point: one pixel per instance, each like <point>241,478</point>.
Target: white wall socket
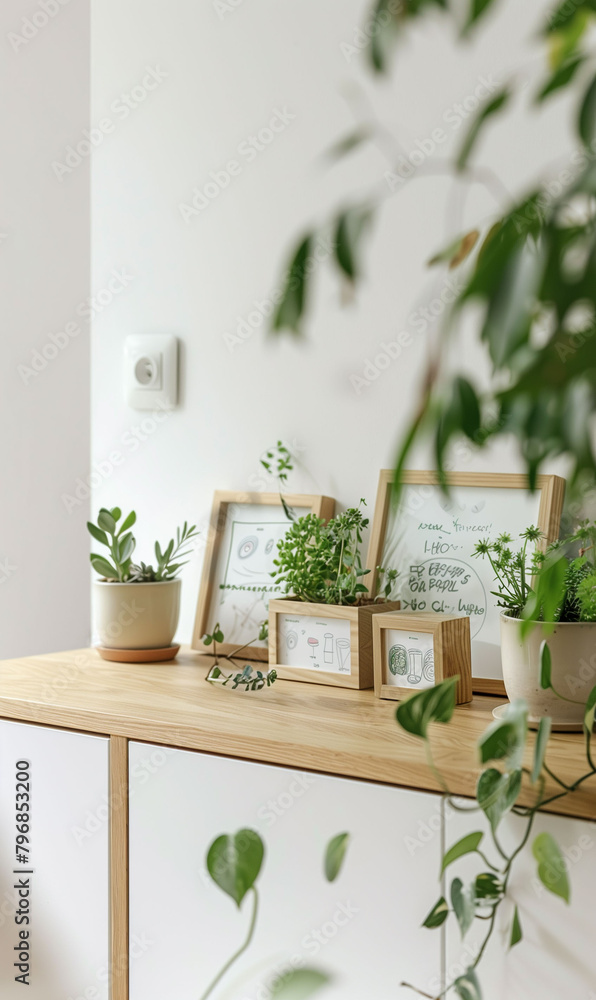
<point>151,371</point>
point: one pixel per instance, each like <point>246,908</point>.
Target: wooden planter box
<point>323,643</point>
<point>417,651</point>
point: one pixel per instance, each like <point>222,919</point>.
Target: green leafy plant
<point>121,544</point>
<point>556,586</point>
<point>321,562</point>
<point>531,285</point>
<point>505,787</point>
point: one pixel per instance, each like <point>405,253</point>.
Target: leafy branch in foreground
<point>234,862</point>
<point>242,678</point>
<point>502,784</point>
<point>534,272</point>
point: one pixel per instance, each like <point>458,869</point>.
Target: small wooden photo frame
<point>413,652</point>
<point>236,583</point>
<point>430,539</point>
<point>324,643</point>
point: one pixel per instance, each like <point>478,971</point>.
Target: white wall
<point>44,278</point>
<point>227,73</point>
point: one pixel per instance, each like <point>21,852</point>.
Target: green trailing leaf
<point>463,906</point>
<point>590,710</point>
<point>234,862</point>
<point>290,311</point>
<point>299,984</point>
<point>335,854</point>
<point>545,666</point>
<point>349,142</point>
<point>467,986</point>
<point>516,931</point>
<point>491,108</point>
<point>542,738</point>
<point>457,251</point>
<point>438,915</point>
<point>505,739</point>
<point>497,793</point>
<point>587,116</point>
<point>350,229</point>
<point>434,705</point>
<point>477,9</point>
<point>467,845</point>
<point>551,865</point>
<point>487,887</point>
<point>560,78</point>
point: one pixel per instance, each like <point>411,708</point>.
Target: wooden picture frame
<point>216,566</point>
<point>423,662</point>
<point>495,502</point>
<point>341,635</point>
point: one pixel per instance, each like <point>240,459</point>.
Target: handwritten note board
<point>431,538</point>
<point>236,585</point>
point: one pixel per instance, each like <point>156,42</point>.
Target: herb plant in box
<point>322,631</point>
<point>137,606</point>
<point>548,623</point>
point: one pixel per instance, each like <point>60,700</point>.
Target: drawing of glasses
<point>313,643</point>
<point>328,647</point>
<point>343,652</point>
<point>415,658</point>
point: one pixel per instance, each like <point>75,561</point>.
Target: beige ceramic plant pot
<point>573,652</point>
<point>136,615</point>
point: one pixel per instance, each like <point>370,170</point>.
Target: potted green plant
<point>322,630</point>
<point>137,606</point>
<point>548,622</point>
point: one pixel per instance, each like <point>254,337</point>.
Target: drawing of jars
<point>415,658</point>
<point>398,660</point>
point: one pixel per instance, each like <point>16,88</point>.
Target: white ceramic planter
<point>136,615</point>
<point>573,652</point>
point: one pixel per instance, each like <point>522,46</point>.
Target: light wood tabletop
<point>313,727</point>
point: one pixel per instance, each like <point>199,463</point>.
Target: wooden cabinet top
<point>309,726</point>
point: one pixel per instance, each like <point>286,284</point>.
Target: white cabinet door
<point>54,916</point>
<point>364,928</point>
<point>556,957</point>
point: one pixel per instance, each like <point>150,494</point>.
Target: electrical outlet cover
<point>151,371</point>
